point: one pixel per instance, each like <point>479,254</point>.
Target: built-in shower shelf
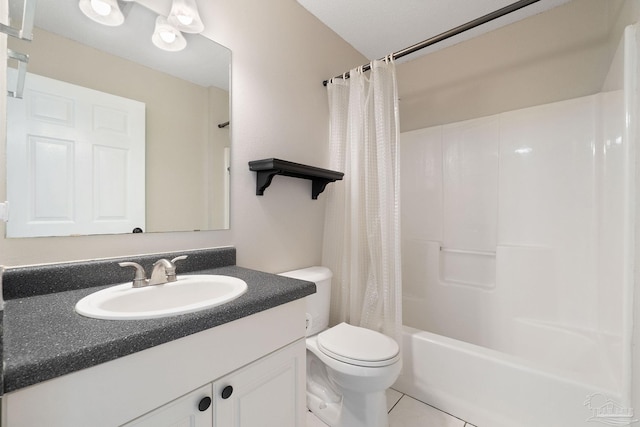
<point>268,168</point>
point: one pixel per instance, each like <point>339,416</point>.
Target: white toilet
<point>348,368</point>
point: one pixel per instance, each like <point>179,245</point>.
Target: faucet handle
<point>171,273</point>
<point>140,279</point>
<point>178,258</point>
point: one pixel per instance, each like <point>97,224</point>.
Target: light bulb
<point>105,12</point>
<point>185,19</point>
<point>168,36</point>
<point>100,7</point>
<point>184,16</point>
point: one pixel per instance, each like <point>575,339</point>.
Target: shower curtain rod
<point>450,33</point>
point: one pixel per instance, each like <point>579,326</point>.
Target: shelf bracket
<point>317,186</point>
<point>266,169</point>
<point>263,180</point>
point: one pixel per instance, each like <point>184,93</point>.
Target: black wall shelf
<point>268,168</point>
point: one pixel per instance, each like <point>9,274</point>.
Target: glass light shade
<point>185,17</point>
<point>100,7</point>
<point>105,12</point>
<point>167,37</point>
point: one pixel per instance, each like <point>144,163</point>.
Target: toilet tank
<point>318,303</point>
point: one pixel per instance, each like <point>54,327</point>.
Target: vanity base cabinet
<point>191,410</point>
<point>267,393</point>
<point>122,390</point>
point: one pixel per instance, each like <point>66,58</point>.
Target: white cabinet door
<point>267,393</point>
<point>75,161</point>
<point>191,410</point>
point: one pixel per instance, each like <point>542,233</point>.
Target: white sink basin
<point>186,295</point>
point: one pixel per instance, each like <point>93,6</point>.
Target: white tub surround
<point>517,240</point>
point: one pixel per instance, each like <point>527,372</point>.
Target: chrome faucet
<point>171,270</point>
<point>164,271</point>
<point>140,279</point>
<point>159,273</point>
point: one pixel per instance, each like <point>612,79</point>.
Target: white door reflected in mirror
<point>77,161</point>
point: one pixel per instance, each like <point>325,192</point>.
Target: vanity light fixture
<point>167,37</point>
<point>185,17</point>
<point>105,12</point>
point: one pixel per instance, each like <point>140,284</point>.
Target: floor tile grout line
<point>402,395</point>
<point>437,409</point>
<point>395,404</point>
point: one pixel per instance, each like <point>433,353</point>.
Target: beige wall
<point>560,54</point>
<point>280,55</point>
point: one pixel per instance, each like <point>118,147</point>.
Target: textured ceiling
<point>379,27</point>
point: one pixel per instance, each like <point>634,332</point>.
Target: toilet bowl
<point>359,379</point>
<point>349,368</point>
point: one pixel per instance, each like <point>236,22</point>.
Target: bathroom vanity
<point>238,364</point>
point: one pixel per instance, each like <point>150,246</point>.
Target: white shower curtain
<point>362,226</point>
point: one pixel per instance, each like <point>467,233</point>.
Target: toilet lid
<point>358,346</point>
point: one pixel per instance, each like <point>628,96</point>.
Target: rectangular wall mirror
<point>113,134</point>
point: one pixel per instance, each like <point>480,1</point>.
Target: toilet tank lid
<point>310,274</point>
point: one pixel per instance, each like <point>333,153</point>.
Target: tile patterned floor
<point>404,411</point>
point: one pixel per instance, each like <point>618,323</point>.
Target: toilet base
<point>362,410</point>
<point>365,410</point>
<point>328,413</point>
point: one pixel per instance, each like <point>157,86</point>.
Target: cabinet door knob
<point>204,404</point>
<point>226,392</point>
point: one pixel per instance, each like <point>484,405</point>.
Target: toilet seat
<point>358,346</point>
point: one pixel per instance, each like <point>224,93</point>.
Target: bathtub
<point>492,389</point>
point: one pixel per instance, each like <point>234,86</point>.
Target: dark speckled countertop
<point>44,338</point>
